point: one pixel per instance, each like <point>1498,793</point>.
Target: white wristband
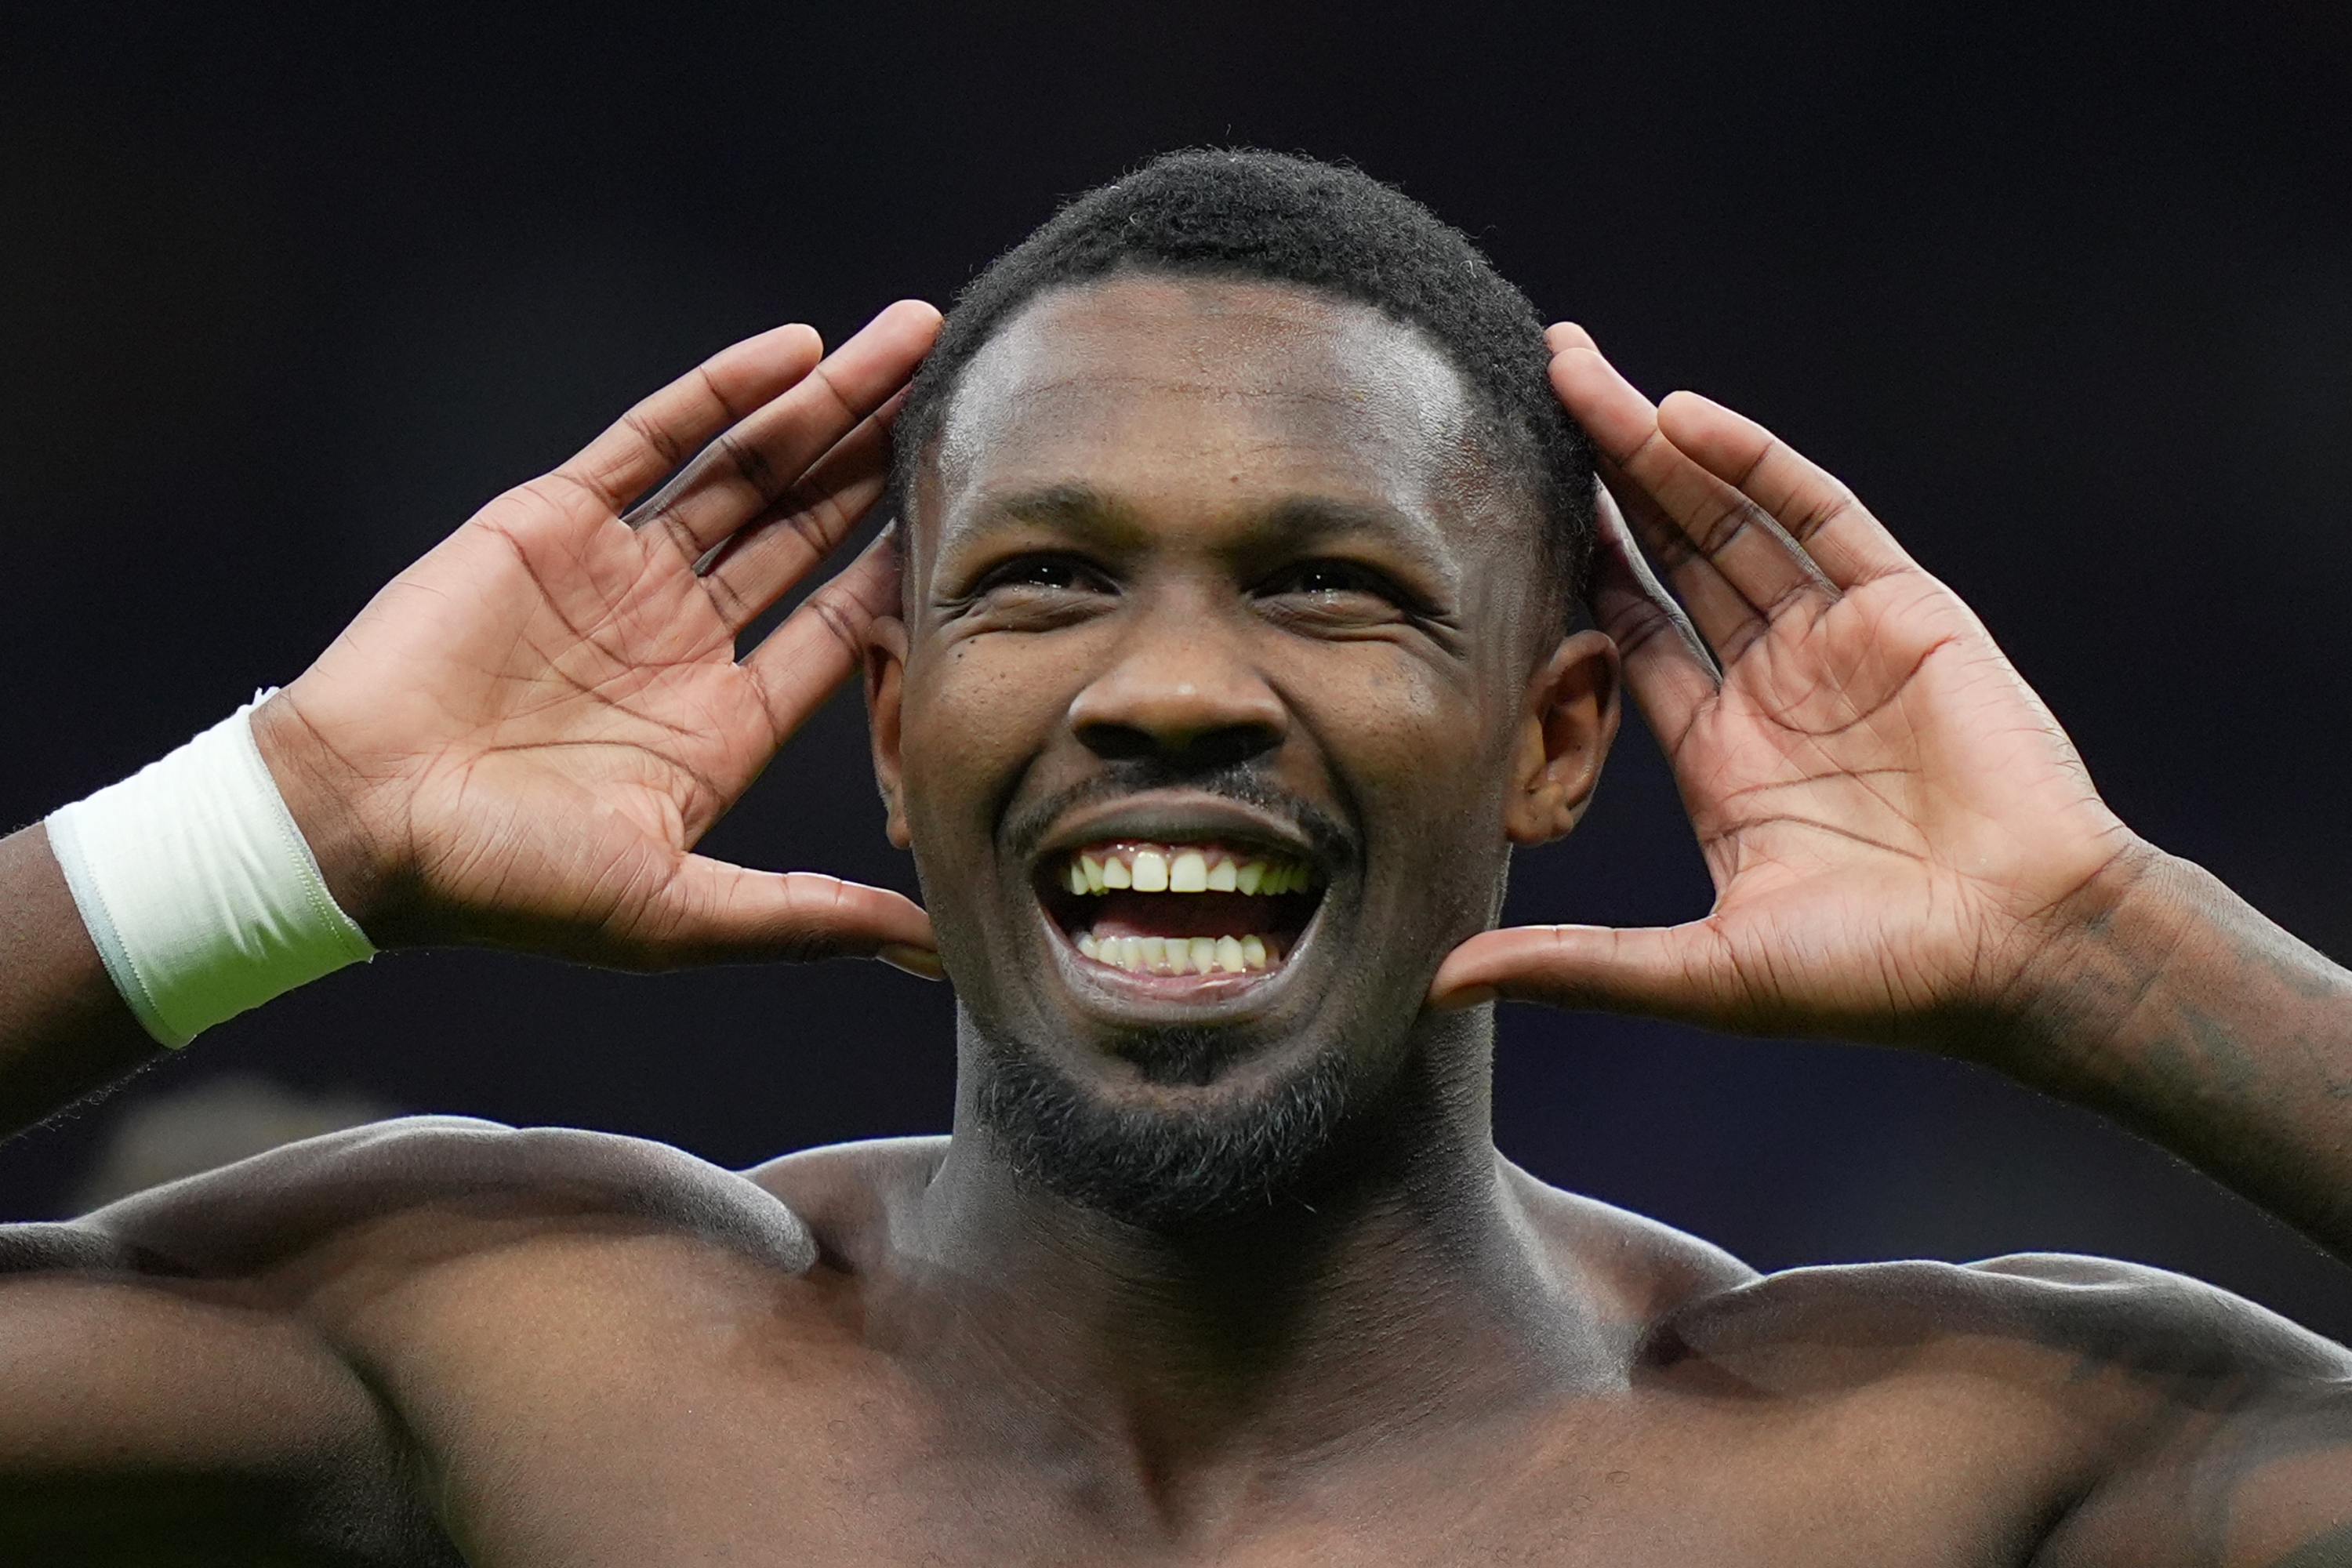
<point>197,888</point>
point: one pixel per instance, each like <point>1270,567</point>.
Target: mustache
<point>1026,825</point>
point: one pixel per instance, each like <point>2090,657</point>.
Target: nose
<point>1178,691</point>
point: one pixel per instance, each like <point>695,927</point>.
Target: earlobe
<point>886,669</point>
<point>1566,725</point>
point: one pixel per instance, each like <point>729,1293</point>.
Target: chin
<point>1209,1136</point>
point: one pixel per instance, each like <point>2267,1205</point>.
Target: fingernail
<point>919,962</point>
<point>1456,1001</point>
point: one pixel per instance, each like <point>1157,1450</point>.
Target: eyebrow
<point>1088,510</point>
<point>1076,507</point>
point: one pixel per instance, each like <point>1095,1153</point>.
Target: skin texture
<point>1114,622</point>
<point>447,1341</point>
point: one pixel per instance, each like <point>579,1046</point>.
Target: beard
<point>1155,1167</point>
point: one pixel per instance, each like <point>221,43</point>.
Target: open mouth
<point>1202,909</point>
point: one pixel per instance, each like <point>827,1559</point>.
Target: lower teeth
<point>1183,955</point>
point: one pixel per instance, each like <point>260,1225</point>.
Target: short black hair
<point>1266,217</point>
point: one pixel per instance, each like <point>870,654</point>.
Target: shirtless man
<point>1207,556</point>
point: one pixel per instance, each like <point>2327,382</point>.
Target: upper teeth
<point>1174,868</point>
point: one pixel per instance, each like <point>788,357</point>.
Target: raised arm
<point>521,740</point>
<point>1906,847</point>
<point>1907,850</point>
<point>518,741</point>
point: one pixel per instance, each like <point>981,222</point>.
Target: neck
<point>1396,1283</point>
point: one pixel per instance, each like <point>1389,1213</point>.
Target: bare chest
<point>683,1440</point>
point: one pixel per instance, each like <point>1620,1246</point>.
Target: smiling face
<point>1214,717</point>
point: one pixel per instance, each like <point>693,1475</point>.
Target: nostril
<point>1118,743</point>
<point>1227,747</point>
<point>1198,751</point>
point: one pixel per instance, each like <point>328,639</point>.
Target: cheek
<point>975,713</point>
<point>1417,746</point>
<point>1423,756</point>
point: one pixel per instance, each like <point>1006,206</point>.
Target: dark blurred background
<point>2067,296</point>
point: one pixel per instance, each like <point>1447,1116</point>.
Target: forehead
<point>1179,394</point>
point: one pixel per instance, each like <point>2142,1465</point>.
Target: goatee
<point>1156,1167</point>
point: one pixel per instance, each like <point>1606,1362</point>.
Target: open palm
<point>1895,823</point>
<point>521,740</point>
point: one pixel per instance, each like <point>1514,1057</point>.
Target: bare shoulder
<point>849,1194</point>
<point>2066,1322</point>
<point>268,1210</point>
<point>2063,1319</point>
<point>2093,1413</point>
<point>1640,1270</point>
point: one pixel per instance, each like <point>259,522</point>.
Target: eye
<point>1050,572</point>
<point>1035,592</point>
<point>1326,579</point>
<point>1338,598</point>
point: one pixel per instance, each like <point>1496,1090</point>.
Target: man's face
<point>1217,660</point>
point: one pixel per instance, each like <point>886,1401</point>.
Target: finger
<point>1846,542</point>
<point>1666,666</point>
<point>1755,555</point>
<point>1561,336</point>
<point>750,467</point>
<point>820,644</point>
<point>1721,613</point>
<point>760,560</point>
<point>1729,622</point>
<point>712,912</point>
<point>666,428</point>
<point>1660,972</point>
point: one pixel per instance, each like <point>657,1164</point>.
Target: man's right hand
<point>521,740</point>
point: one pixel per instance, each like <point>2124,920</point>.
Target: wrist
<point>2098,960</point>
<point>326,797</point>
<point>196,887</point>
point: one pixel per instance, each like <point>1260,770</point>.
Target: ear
<point>1568,719</point>
<point>886,673</point>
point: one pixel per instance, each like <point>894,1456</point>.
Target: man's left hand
<point>1898,828</point>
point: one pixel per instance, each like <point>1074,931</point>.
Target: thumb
<point>1682,971</point>
<point>715,913</point>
